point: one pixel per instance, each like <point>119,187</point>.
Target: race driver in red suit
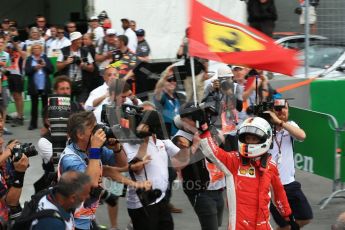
<point>255,175</point>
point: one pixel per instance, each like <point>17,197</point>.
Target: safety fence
<point>321,152</point>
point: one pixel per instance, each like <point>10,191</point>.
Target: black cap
<point>124,20</point>
<point>140,32</point>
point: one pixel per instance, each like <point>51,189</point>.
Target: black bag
<point>298,10</point>
<point>30,213</point>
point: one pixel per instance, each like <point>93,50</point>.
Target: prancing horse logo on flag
<point>227,37</point>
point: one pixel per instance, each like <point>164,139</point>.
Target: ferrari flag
<point>215,37</point>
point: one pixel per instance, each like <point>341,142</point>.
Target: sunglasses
<point>171,79</point>
<point>237,69</point>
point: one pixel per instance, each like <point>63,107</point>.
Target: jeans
<point>208,206</point>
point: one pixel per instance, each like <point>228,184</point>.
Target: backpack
<point>30,213</point>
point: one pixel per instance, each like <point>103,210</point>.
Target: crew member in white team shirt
<point>132,37</point>
<point>286,132</point>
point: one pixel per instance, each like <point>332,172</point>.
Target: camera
<point>107,130</point>
<point>40,62</point>
<point>148,197</point>
<point>78,60</point>
<point>26,148</point>
<point>260,109</point>
<point>104,195</point>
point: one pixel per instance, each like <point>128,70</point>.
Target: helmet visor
<point>251,130</point>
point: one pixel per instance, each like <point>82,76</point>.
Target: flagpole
<point>193,80</point>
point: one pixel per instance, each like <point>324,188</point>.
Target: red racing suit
<point>252,187</point>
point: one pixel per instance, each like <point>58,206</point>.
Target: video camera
<point>260,109</point>
<point>201,113</point>
<point>27,148</point>
<point>122,122</point>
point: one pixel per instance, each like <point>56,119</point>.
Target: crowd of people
<point>98,70</point>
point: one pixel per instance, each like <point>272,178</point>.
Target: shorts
<point>299,205</point>
<point>312,16</point>
<point>16,83</point>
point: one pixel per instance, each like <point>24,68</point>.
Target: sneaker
<point>9,119</point>
<point>32,127</point>
<point>7,132</point>
<point>17,122</point>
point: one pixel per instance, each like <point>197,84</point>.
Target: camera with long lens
<point>59,110</point>
<point>26,148</point>
<point>104,195</point>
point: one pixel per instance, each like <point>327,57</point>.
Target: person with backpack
<point>55,207</point>
<point>282,153</point>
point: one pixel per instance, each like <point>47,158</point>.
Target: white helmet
<point>259,127</point>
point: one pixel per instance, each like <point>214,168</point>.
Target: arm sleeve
<point>280,199</point>
<point>107,157</point>
<point>171,149</point>
<point>72,162</point>
<point>45,149</point>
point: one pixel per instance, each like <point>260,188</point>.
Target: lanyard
<point>279,144</point>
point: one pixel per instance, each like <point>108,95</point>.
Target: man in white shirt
<point>150,160</point>
<point>132,37</point>
<point>282,152</point>
<point>100,96</point>
<point>60,42</point>
<point>95,28</point>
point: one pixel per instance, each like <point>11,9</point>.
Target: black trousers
<point>152,217</point>
<point>34,106</point>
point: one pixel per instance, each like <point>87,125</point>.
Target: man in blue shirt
<point>72,189</point>
<point>86,154</point>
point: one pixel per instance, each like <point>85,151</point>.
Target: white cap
<point>75,35</point>
<point>237,66</point>
<point>110,32</point>
<point>93,18</point>
<point>224,71</point>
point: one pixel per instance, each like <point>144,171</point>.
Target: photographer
<point>203,182</point>
<point>86,154</point>
<point>226,94</point>
<point>287,132</point>
<point>38,68</point>
<point>104,52</point>
<point>149,160</point>
<point>76,62</point>
<point>11,182</point>
<point>65,197</point>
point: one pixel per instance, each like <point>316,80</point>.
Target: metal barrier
<point>321,145</point>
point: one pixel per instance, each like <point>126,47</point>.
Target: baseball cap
<point>236,66</point>
<point>124,20</point>
<point>75,35</point>
<point>93,18</point>
<point>225,71</point>
<point>110,32</point>
<point>140,32</point>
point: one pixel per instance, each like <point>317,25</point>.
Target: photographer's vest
<point>46,204</point>
<point>81,212</point>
